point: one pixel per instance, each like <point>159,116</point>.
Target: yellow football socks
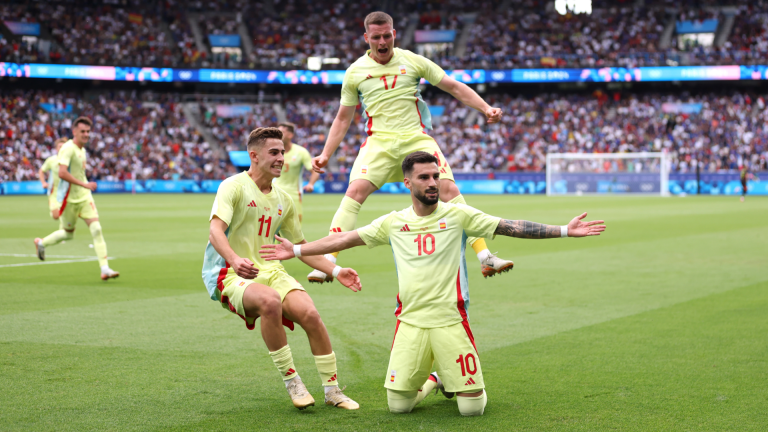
<point>478,244</point>
<point>345,218</point>
<point>428,387</point>
<point>57,237</point>
<point>99,245</point>
<point>283,360</point>
<point>326,367</point>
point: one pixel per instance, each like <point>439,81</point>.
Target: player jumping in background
<point>428,241</point>
<point>246,213</point>
<point>51,167</point>
<point>385,81</point>
<point>297,159</point>
<point>75,199</point>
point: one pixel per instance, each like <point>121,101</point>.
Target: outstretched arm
<point>534,230</point>
<point>335,135</point>
<point>469,97</point>
<point>332,243</point>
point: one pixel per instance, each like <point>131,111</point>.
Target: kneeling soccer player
<point>428,241</point>
<point>247,212</point>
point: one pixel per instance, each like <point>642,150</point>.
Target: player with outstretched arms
<point>297,159</point>
<point>385,81</point>
<point>247,212</point>
<point>51,166</point>
<point>428,241</point>
<point>75,199</point>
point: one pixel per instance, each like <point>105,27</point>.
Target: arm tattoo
<point>527,229</point>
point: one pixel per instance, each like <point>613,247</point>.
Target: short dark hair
<point>259,136</point>
<point>288,125</point>
<point>414,158</point>
<point>378,18</point>
<point>83,120</point>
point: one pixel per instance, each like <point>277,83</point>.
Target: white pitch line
<point>35,256</point>
<point>50,262</point>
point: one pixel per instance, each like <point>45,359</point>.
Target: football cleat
<point>316,276</point>
<point>40,249</point>
<point>336,398</point>
<point>299,394</point>
<point>493,265</point>
<point>441,387</point>
<point>109,274</point>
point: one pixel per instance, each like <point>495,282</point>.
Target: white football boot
<point>299,394</point>
<point>493,265</point>
<point>40,249</point>
<point>108,273</point>
<point>316,276</point>
<point>336,398</point>
<point>440,386</point>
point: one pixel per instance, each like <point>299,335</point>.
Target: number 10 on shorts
<point>463,360</point>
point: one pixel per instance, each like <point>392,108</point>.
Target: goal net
<point>607,173</point>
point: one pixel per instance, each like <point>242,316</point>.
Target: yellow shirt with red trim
<point>74,158</point>
<point>389,94</point>
<point>51,165</point>
<point>429,258</point>
<point>252,219</point>
<point>296,161</point>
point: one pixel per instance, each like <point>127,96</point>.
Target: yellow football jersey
<point>74,158</point>
<point>51,165</point>
<point>296,161</point>
<point>389,94</point>
<point>429,259</point>
<point>253,218</point>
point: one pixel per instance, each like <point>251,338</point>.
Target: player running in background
<point>744,176</point>
<point>428,241</point>
<point>246,213</point>
<point>74,196</point>
<point>297,159</point>
<point>51,167</point>
<point>385,81</point>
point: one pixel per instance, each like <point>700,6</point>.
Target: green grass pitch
<point>659,324</point>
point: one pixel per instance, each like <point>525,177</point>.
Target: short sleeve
<point>429,70</point>
<point>477,223</point>
<point>224,203</point>
<point>48,164</point>
<point>307,160</point>
<point>291,227</point>
<point>65,155</point>
<point>377,232</point>
<point>349,95</point>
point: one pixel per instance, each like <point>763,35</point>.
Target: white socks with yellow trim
<point>326,367</point>
<point>283,360</point>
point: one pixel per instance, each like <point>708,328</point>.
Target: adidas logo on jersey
<point>470,382</point>
<point>405,228</point>
<point>333,378</point>
<point>252,204</point>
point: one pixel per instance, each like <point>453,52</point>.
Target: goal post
<point>645,173</point>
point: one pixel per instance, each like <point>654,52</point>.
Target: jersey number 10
<point>265,221</point>
<point>427,248</point>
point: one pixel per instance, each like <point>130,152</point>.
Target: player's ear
<point>407,183</point>
<point>394,33</point>
<point>365,36</point>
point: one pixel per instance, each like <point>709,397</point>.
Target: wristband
<point>564,231</point>
<point>336,271</point>
<point>297,250</point>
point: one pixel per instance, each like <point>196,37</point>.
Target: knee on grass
<point>401,402</point>
<point>472,406</point>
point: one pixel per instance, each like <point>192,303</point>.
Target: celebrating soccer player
<point>246,213</point>
<point>428,241</point>
<point>385,82</point>
<point>51,166</point>
<point>297,159</point>
<point>75,199</point>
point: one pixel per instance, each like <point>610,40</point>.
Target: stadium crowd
<point>130,137</point>
<point>525,34</point>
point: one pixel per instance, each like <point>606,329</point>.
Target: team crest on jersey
<point>443,224</point>
<point>364,169</point>
<point>279,209</point>
<point>402,70</point>
<point>392,374</point>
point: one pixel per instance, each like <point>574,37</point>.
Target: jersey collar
<point>396,54</point>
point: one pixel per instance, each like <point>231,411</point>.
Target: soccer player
<point>51,166</point>
<point>744,176</point>
<point>428,241</point>
<point>385,82</point>
<point>75,197</point>
<point>297,159</point>
<point>247,212</point>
